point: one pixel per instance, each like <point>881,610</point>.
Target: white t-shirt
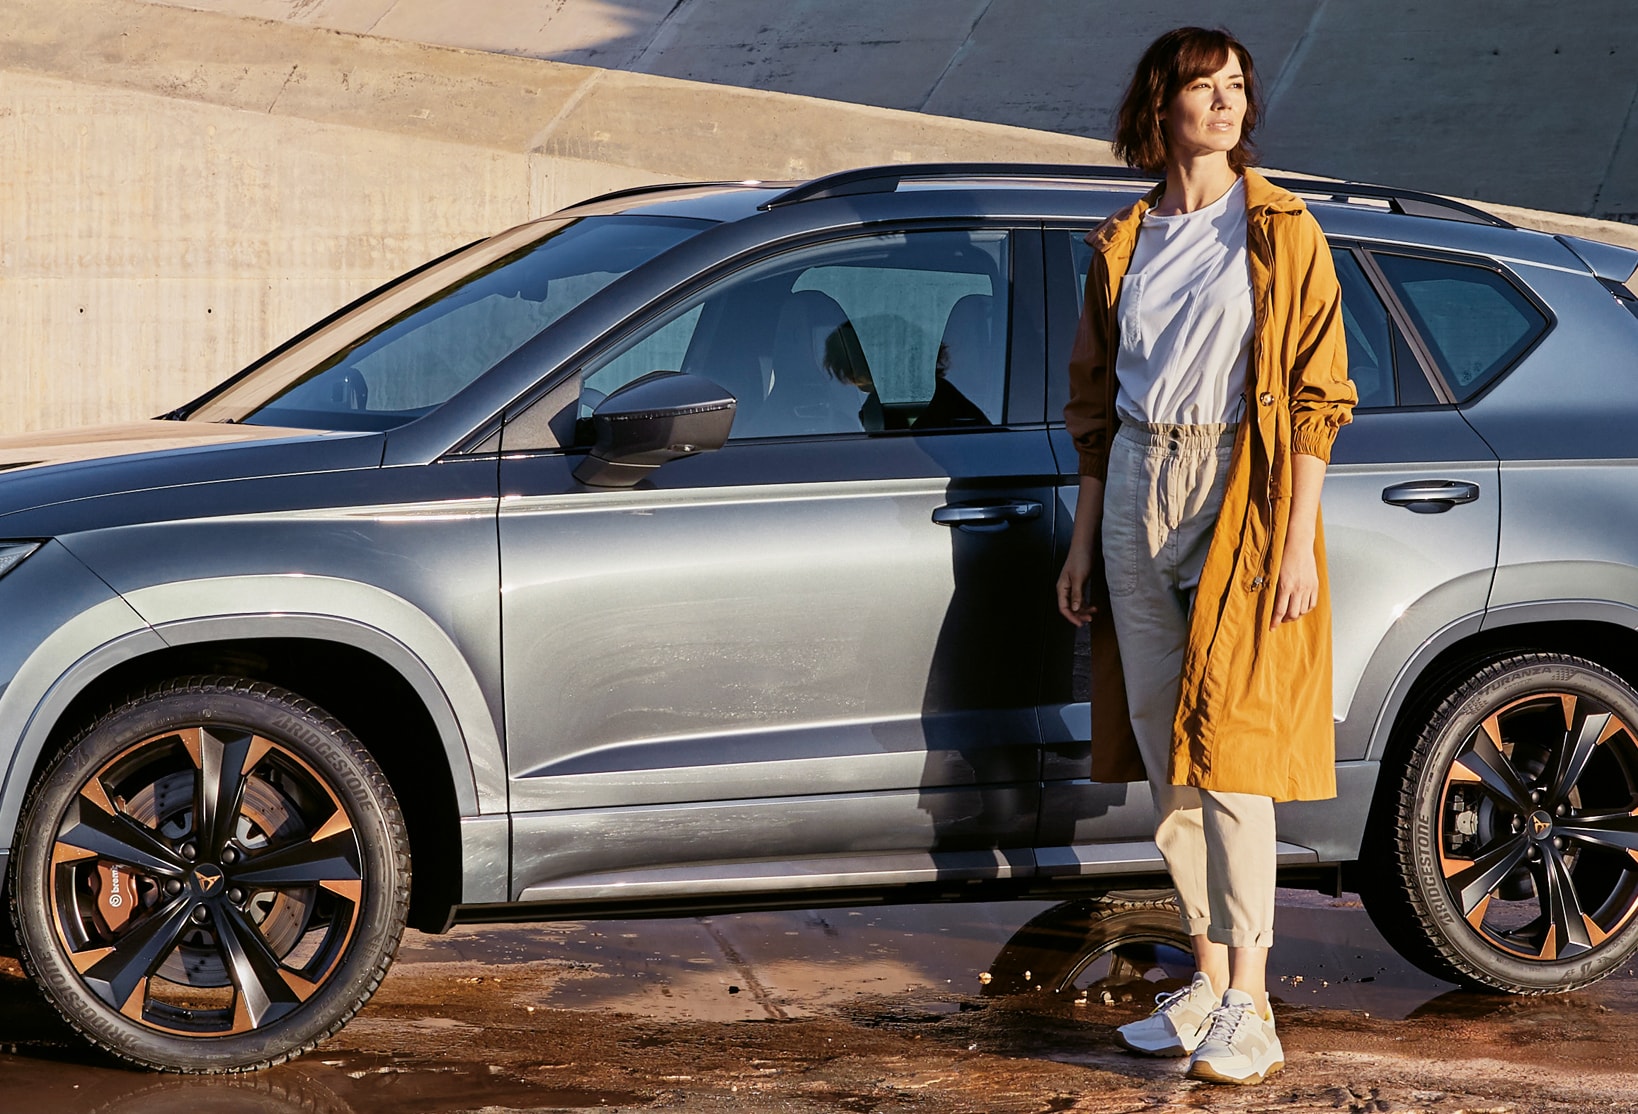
<point>1185,317</point>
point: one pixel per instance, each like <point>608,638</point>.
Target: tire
<point>183,935</point>
<point>1107,943</point>
<point>1503,855</point>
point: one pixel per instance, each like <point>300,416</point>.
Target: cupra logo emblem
<point>209,877</point>
<point>1539,824</point>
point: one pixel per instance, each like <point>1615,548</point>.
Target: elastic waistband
<point>1166,436</point>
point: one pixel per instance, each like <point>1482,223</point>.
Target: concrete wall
<point>180,190</point>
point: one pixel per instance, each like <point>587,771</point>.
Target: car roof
<point>1071,194</point>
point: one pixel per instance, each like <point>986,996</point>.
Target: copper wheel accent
<point>1538,827</point>
<point>205,881</point>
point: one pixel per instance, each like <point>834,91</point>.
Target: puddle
<point>353,1084</point>
<point>754,966</point>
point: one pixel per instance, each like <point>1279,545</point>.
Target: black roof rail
<point>1410,203</point>
<point>655,187</point>
<point>886,179</point>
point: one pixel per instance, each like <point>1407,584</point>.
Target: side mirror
<point>664,416</point>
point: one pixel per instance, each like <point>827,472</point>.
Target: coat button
<point>1256,582</point>
<point>1266,399</point>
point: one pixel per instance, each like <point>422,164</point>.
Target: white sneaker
<point>1177,1024</point>
<point>1239,1045</point>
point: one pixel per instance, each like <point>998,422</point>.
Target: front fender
<point>64,627</point>
<point>361,615</point>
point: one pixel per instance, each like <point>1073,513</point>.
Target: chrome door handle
<point>1430,496</point>
<point>986,518</point>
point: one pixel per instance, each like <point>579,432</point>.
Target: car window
<point>420,357</point>
<point>904,331</point>
<point>1475,321</point>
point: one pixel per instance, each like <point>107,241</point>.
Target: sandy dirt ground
<point>876,1010</point>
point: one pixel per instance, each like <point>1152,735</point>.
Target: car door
<point>1411,514</point>
<point>810,658</point>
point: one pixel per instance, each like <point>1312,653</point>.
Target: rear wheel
<point>1505,855</point>
<point>214,877</point>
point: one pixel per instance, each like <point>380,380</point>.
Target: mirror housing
<point>664,416</point>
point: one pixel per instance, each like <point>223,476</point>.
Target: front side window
<point>403,367</point>
<point>1475,321</point>
<point>905,331</point>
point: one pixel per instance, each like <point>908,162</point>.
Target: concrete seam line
<point>385,12</point>
<point>1615,151</point>
<point>288,78</point>
<point>570,103</point>
<point>662,36</point>
<point>956,55</point>
<point>1294,60</point>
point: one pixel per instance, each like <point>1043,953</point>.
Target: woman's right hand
<point>1074,595</point>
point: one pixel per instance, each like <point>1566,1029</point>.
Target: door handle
<point>986,518</point>
<point>1430,496</point>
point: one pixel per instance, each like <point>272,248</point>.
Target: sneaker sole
<point>1174,1051</point>
<point>1206,1072</point>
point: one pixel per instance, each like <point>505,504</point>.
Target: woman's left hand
<point>1297,589</point>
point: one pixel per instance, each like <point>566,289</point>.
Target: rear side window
<point>1475,321</point>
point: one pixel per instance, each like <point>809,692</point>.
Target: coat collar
<point>1263,198</point>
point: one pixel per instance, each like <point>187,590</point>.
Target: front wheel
<point>213,878</point>
<point>1505,853</point>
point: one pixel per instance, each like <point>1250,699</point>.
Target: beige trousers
<point>1161,499</point>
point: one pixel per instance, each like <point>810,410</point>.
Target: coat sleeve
<point>1322,396</point>
<point>1086,415</point>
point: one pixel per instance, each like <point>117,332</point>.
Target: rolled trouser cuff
<point>1240,937</point>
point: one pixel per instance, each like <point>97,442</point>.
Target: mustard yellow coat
<point>1254,715</point>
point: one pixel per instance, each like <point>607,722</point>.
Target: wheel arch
<point>1602,631</point>
<point>368,681</point>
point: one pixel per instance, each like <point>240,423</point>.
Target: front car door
<point>809,659</point>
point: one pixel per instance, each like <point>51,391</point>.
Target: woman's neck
<point>1193,184</point>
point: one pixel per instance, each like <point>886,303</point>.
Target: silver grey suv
<point>692,549</point>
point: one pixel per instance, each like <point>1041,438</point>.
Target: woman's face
<point>1207,113</point>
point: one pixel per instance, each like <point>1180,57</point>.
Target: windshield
<point>411,347</point>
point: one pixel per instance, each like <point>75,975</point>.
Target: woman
<point>1208,381</point>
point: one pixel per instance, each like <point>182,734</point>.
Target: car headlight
<point>12,554</point>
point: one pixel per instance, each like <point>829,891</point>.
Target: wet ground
<point>992,1007</point>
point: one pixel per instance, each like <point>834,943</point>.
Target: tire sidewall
<point>1486,693</point>
<point>335,755</point>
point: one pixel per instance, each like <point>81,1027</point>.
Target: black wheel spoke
<point>332,859</point>
<point>1618,830</point>
<point>1484,761</point>
<point>118,838</point>
<point>117,975</point>
<point>257,974</point>
<point>1474,883</point>
<point>1562,907</point>
<point>220,785</point>
<point>1582,738</point>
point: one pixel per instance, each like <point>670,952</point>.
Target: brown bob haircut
<point>1172,61</point>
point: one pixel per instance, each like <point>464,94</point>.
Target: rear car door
<point>807,659</point>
